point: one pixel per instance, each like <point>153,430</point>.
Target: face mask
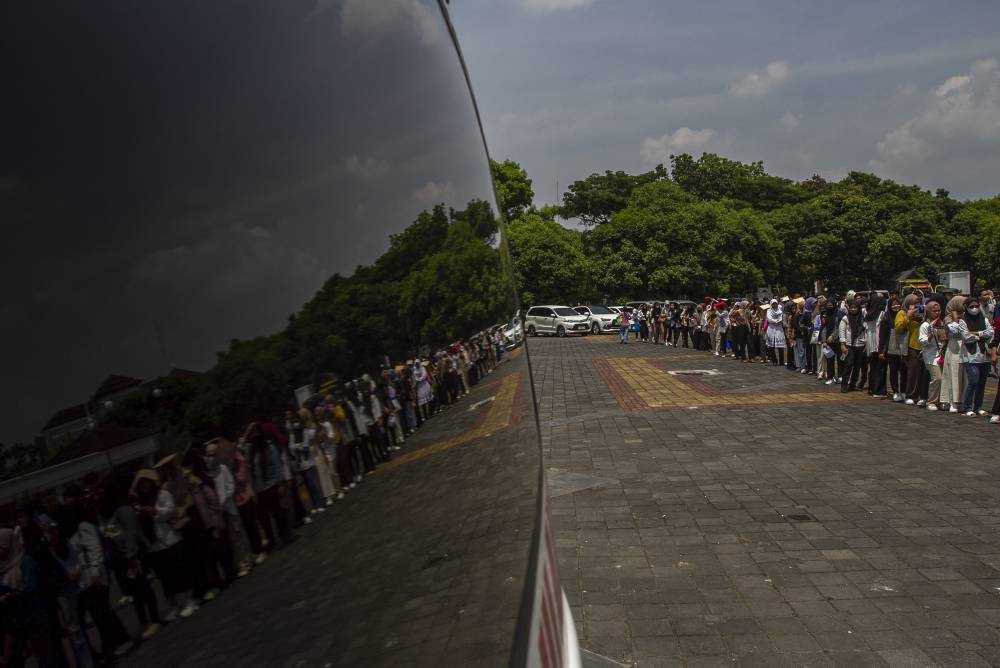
<point>974,311</point>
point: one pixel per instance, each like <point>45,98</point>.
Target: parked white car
<point>600,317</point>
<point>514,333</point>
<point>555,320</point>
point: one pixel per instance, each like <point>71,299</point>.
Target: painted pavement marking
<point>643,384</point>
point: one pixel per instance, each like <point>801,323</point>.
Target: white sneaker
<point>995,419</point>
<point>830,382</point>
<point>340,495</point>
<point>931,407</point>
<point>909,402</point>
<point>259,559</point>
<point>307,520</point>
<point>171,615</point>
<point>921,403</point>
<point>352,485</point>
<point>971,414</point>
<point>953,409</point>
<point>321,509</point>
<point>188,610</point>
<point>983,413</point>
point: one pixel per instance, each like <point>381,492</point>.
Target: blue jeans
<point>623,334</point>
<point>800,354</point>
<point>976,374</point>
<point>312,484</point>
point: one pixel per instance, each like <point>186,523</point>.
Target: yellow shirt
<point>905,324</point>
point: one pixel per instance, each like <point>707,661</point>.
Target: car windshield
<point>601,310</point>
<point>565,311</point>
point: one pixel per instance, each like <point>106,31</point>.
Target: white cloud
<point>761,82</point>
<point>683,140</point>
<point>953,84</point>
<point>365,168</point>
<point>957,132</point>
<point>377,18</point>
<point>790,121</point>
<point>554,5</point>
<point>434,192</point>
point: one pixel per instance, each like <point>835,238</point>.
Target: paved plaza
<point>709,512</point>
<point>706,512</point>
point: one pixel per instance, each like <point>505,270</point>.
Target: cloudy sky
<point>908,89</point>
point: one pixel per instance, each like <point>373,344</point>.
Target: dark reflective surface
<point>210,206</point>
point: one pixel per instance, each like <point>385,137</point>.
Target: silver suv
<point>557,320</point>
<point>601,318</point>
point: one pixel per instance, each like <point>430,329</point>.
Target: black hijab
<point>854,320</point>
<point>976,323</point>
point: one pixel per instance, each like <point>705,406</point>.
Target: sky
<point>907,89</point>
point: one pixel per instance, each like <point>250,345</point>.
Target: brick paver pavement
<point>758,517</point>
<point>422,565</point>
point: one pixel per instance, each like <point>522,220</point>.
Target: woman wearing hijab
<point>877,331</point>
<point>774,337</point>
<point>851,332</point>
<point>932,337</point>
<point>816,337</point>
<point>907,323</point>
<point>952,372</point>
<point>895,352</point>
<point>976,332</point>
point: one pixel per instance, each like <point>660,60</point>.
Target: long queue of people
<point>929,351</point>
<point>199,520</point>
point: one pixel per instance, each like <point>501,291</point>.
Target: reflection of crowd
<point>197,522</point>
<point>930,351</point>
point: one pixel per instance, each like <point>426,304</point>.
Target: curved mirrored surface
<point>261,236</point>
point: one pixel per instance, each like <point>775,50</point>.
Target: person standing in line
<point>907,323</point>
<point>243,495</point>
<point>225,490</point>
<point>266,478</point>
<point>852,346</point>
<point>952,372</point>
<point>930,336</point>
<point>896,352</point>
<point>774,320</point>
<point>162,542</point>
<point>976,332</point>
<point>624,322</point>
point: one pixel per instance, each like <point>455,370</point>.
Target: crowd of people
<point>930,351</point>
<point>200,519</point>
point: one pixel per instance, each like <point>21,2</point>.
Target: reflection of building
<point>94,450</point>
<point>67,423</point>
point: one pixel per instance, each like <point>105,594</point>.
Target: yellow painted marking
<point>659,389</point>
<point>498,417</point>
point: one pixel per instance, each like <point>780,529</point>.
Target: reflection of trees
<point>440,280</point>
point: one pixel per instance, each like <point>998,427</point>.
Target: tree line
<point>718,226</point>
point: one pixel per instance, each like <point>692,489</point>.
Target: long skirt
<point>952,380</point>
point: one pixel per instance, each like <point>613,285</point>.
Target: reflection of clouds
<point>374,19</point>
<point>365,168</point>
<point>233,263</point>
<point>434,191</point>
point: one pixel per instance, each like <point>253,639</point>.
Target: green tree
<point>599,196</point>
<point>712,177</point>
<point>550,264</point>
<point>514,190</point>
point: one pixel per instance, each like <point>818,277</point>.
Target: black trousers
<point>95,600</point>
<point>269,505</point>
<point>852,367</point>
<point>810,357</point>
<point>135,583</point>
<point>740,336</point>
<point>248,513</point>
<point>876,374</point>
<point>897,373</point>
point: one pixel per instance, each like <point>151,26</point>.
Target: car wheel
<point>595,328</point>
<point>560,331</point>
<point>531,330</point>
